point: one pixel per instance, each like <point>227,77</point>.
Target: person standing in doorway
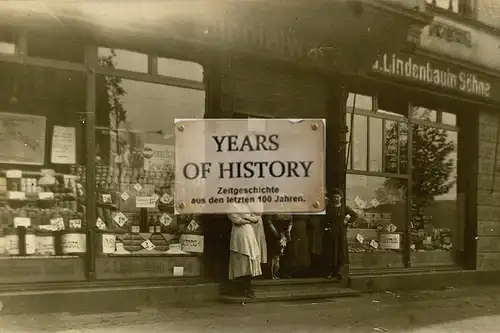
<point>335,254</point>
<point>244,256</point>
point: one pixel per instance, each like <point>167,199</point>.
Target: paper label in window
<point>145,202</point>
<point>375,203</point>
<point>120,219</point>
<point>360,238</point>
<point>166,199</point>
<point>22,222</point>
<point>155,196</point>
<point>165,219</point>
<point>125,196</point>
<point>193,226</point>
<point>137,187</point>
<point>100,224</point>
<point>58,223</point>
<point>14,174</point>
<point>46,195</point>
<point>391,228</point>
<point>178,271</point>
<point>374,244</point>
<point>359,202</point>
<point>347,217</point>
<point>148,245</point>
<point>412,247</point>
<point>16,195</point>
<point>75,224</point>
<point>106,198</point>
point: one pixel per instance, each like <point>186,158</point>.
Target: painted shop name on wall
<point>426,72</point>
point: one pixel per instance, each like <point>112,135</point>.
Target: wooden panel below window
<point>47,269</point>
<point>375,260</point>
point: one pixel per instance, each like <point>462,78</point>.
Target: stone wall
<point>488,193</point>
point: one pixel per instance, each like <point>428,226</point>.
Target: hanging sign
<point>22,139</point>
<point>222,166</point>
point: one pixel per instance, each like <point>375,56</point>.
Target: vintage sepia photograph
<point>249,166</point>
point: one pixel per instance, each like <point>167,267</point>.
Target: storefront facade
<point>87,156</point>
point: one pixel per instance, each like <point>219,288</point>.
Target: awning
<point>344,35</point>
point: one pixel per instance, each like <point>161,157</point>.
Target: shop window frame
<point>409,120</point>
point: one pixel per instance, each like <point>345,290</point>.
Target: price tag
<point>166,199</point>
<point>165,219</point>
<point>46,195</point>
<point>412,247</point>
<point>16,195</point>
<point>124,196</point>
<point>137,187</point>
<point>75,224</point>
<point>148,245</point>
<point>375,203</point>
<point>100,224</point>
<point>391,228</point>
<point>106,198</point>
<point>14,174</point>
<point>22,222</point>
<point>178,271</point>
<point>374,244</point>
<point>360,238</point>
<point>359,202</point>
<point>120,219</point>
<point>155,196</point>
<point>58,223</point>
<point>48,227</point>
<point>193,226</point>
<point>145,202</point>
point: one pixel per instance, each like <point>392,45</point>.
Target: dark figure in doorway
<point>278,235</point>
<point>335,254</point>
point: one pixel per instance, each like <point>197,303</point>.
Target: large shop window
<point>377,186</point>
<point>135,156</point>
<point>42,173</point>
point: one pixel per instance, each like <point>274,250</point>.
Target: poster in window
<point>22,139</point>
<point>63,145</point>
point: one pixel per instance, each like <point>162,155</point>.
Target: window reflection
<point>434,211</point>
<point>448,118</point>
<point>360,145</point>
<point>180,69</point>
<point>362,102</point>
<point>376,142</point>
<point>425,114</point>
<point>123,60</point>
<point>381,204</point>
<point>61,48</point>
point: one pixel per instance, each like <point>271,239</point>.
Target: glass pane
<point>391,146</point>
<point>348,139</point>
<point>376,142</point>
<point>123,59</point>
<point>61,48</point>
<point>434,223</point>
<point>180,69</point>
<point>449,118</point>
<point>135,144</point>
<point>360,146</point>
<point>446,4</point>
<point>422,113</point>
<point>47,193</point>
<point>7,43</point>
<point>375,239</point>
<point>389,113</point>
<point>403,148</point>
<point>362,102</point>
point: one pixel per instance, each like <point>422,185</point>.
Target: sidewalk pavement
<point>473,309</point>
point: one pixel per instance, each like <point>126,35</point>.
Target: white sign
<point>158,157</point>
<point>120,219</point>
<point>75,224</point>
<point>165,219</point>
<point>14,174</point>
<point>16,195</point>
<point>125,196</point>
<point>148,245</point>
<point>63,145</point>
<point>100,224</point>
<point>223,167</point>
<point>145,202</point>
<point>360,238</point>
<point>166,199</point>
<point>45,195</point>
<point>390,241</point>
<point>192,243</point>
<point>22,222</point>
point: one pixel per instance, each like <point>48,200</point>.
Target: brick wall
<point>488,193</point>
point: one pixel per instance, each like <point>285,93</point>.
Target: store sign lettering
<point>426,72</point>
<point>450,34</point>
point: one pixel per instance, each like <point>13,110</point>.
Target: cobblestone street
<point>450,310</point>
